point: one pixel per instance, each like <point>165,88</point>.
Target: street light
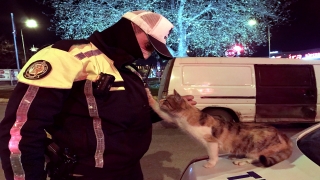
<point>34,49</point>
<point>253,22</point>
<point>15,42</point>
<point>269,39</point>
<point>30,23</point>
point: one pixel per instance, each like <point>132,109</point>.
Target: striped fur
<point>257,142</point>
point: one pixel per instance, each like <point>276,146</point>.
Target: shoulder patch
<point>37,70</point>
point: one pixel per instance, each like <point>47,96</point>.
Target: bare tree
<point>209,27</point>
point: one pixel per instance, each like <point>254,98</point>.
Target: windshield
<point>310,145</point>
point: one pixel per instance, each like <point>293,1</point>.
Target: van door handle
<point>308,93</point>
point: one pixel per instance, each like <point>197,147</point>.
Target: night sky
<point>22,10</point>
<point>302,32</point>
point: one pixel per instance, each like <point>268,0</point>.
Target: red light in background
<point>237,48</point>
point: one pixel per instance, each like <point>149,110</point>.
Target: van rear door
<point>285,93</point>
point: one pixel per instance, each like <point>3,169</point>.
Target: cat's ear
<point>177,95</point>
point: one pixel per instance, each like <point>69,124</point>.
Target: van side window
<point>284,75</point>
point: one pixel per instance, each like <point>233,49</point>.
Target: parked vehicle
<point>247,89</point>
<point>304,163</point>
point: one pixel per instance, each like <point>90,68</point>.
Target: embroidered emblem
<point>37,70</point>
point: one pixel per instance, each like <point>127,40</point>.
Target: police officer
<point>88,96</point>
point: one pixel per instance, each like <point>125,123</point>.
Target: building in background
<point>311,54</point>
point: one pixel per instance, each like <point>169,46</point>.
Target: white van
<point>247,89</point>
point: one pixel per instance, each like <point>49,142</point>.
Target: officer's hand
<point>190,100</point>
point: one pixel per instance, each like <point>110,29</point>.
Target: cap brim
<point>161,48</point>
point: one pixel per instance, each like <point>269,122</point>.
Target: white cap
<point>155,26</point>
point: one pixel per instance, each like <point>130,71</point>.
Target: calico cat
<point>258,143</point>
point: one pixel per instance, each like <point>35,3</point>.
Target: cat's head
<point>174,103</point>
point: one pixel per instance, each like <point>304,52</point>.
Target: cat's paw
<point>152,101</point>
<point>209,164</point>
<point>241,162</point>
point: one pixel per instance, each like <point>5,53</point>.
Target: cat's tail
<point>279,156</point>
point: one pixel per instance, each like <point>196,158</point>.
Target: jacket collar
<point>119,56</point>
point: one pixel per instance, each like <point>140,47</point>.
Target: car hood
<point>297,167</point>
